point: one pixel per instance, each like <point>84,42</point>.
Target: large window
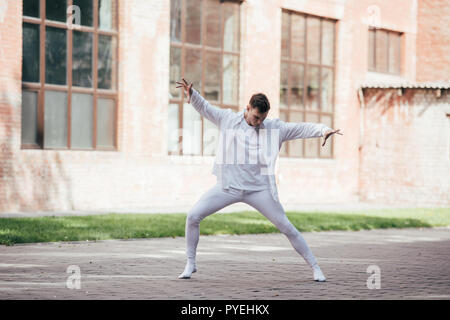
<point>384,51</point>
<point>69,74</point>
<point>204,50</point>
<point>307,79</point>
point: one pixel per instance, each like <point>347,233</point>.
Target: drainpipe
<point>361,138</point>
<point>361,118</point>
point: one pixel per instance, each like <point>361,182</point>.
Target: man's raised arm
<point>303,130</point>
<point>212,113</point>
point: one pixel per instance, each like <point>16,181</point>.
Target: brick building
<point>90,118</point>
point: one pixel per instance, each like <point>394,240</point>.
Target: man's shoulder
<point>233,115</point>
<point>272,123</point>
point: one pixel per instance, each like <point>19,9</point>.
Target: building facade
<point>90,118</point>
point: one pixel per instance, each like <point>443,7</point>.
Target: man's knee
<point>288,229</point>
<point>193,218</point>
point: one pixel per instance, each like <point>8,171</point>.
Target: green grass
<point>132,226</point>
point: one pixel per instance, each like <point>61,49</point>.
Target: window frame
<point>183,45</point>
<point>41,87</point>
<point>304,110</point>
<point>388,43</point>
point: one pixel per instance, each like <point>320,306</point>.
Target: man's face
<point>254,117</point>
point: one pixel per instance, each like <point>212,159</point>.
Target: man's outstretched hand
<point>187,89</point>
<point>329,133</point>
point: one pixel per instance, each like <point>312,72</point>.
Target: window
<point>307,79</point>
<point>384,51</point>
<point>204,50</point>
<point>69,75</point>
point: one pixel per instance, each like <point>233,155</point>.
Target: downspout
<point>361,137</point>
<point>361,118</point>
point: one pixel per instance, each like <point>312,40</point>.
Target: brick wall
<point>10,100</point>
<point>336,180</point>
<point>141,174</point>
<point>433,40</point>
<point>405,154</point>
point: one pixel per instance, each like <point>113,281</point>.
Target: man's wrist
<point>326,131</point>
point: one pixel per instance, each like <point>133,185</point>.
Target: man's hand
<point>329,133</point>
<point>187,89</point>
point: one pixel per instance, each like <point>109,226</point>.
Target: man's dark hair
<point>260,101</point>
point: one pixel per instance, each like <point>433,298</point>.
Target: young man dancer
<point>252,183</point>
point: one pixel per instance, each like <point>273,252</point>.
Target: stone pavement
<point>414,264</point>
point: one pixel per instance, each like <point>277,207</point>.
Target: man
<point>252,183</point>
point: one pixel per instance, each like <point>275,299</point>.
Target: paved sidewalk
<point>414,264</point>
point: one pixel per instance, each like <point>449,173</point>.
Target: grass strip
<point>134,226</point>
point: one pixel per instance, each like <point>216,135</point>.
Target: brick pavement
<point>414,264</point>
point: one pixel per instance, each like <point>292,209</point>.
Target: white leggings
<point>217,198</point>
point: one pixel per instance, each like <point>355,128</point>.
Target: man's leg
<point>212,201</point>
<point>273,210</point>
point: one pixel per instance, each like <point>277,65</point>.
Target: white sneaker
<point>318,275</point>
<point>188,270</point>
